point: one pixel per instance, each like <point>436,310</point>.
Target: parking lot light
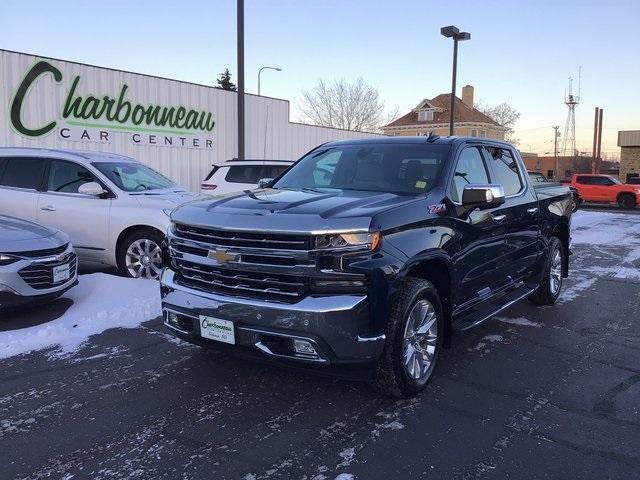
<point>458,36</point>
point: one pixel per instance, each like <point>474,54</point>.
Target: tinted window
<point>505,170</point>
<point>593,180</point>
<point>398,168</point>
<point>23,172</point>
<point>213,170</point>
<point>469,169</point>
<point>245,173</point>
<point>536,177</point>
<point>585,180</point>
<point>67,176</point>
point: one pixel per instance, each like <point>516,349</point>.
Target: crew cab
<point>367,253</point>
<point>605,189</point>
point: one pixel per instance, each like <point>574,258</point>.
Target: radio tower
<point>571,101</point>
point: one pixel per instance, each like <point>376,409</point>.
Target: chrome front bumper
<point>338,326</point>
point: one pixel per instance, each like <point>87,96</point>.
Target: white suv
<point>114,209</point>
<point>239,175</point>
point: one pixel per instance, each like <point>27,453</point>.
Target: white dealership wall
<point>269,133</point>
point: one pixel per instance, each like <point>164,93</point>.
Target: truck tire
<point>551,284</point>
<point>626,201</point>
<point>413,340</point>
<point>139,254</point>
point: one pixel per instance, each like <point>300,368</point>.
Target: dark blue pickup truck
<point>369,253</point>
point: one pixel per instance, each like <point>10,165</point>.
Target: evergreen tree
<point>225,83</point>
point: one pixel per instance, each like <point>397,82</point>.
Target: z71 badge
<point>437,208</point>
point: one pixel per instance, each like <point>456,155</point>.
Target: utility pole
<point>556,134</point>
<point>240,47</point>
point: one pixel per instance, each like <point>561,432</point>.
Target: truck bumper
<point>338,327</point>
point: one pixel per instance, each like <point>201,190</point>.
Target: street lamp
<point>457,35</point>
<point>277,69</point>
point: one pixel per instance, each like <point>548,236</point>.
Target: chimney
<point>467,95</point>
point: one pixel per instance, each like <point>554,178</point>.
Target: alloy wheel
<point>144,259</point>
<point>420,341</point>
<point>555,273</point>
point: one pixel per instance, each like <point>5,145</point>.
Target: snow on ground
<point>604,228</point>
<point>100,301</point>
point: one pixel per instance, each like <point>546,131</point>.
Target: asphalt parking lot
<point>549,392</point>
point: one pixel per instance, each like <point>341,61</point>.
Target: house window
<point>425,115</point>
<point>483,133</point>
<point>474,133</point>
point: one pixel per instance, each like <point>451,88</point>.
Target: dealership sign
<point>97,118</point>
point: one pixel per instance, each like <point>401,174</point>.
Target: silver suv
<point>36,263</point>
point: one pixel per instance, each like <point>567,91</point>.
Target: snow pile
<point>600,228</point>
<point>100,302</point>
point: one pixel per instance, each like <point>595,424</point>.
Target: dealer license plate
<point>61,273</point>
<point>217,329</point>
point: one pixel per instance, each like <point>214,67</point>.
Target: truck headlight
<point>7,259</point>
<point>331,241</point>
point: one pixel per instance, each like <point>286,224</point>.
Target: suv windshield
<point>133,177</point>
<point>397,168</point>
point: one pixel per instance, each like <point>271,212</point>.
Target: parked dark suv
<point>368,252</point>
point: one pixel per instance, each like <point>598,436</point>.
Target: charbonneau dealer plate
<point>217,329</point>
<point>61,273</point>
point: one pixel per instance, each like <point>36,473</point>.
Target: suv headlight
<point>348,241</point>
<point>6,259</point>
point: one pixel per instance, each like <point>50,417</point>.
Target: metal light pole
<point>277,69</point>
<point>458,36</point>
<point>240,47</point>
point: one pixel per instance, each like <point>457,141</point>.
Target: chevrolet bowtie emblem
<point>222,256</point>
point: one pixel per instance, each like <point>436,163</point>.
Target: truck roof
<point>450,140</point>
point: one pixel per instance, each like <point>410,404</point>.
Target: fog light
<point>303,347</point>
<point>172,318</point>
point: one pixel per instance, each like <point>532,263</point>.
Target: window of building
<point>483,133</point>
<point>506,170</point>
<point>425,115</point>
<point>22,172</point>
<point>474,132</point>
<point>549,173</point>
<point>470,168</point>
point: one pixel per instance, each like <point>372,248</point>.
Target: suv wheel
<point>413,340</point>
<point>551,284</point>
<point>139,254</point>
<point>626,201</point>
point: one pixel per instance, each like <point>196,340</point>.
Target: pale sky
<point>520,52</point>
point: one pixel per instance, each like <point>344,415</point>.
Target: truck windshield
<point>409,169</point>
<point>133,177</point>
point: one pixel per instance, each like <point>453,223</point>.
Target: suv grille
<point>40,275</point>
<point>224,238</point>
<point>262,285</point>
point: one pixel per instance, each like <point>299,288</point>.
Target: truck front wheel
<point>413,340</point>
<point>626,201</point>
<point>549,289</point>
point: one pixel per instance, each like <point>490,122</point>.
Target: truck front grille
<point>40,275</point>
<point>224,238</point>
<point>262,285</point>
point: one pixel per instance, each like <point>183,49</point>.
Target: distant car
<point>537,177</point>
<point>114,209</point>
<point>633,181</point>
<point>36,263</point>
<point>606,189</point>
<point>240,175</point>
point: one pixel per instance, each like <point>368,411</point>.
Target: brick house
<point>629,143</point>
<point>433,115</point>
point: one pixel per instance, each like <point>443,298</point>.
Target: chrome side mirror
<point>91,188</point>
<point>482,196</point>
<point>265,182</point>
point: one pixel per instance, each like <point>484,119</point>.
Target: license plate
<point>217,329</point>
<point>61,273</point>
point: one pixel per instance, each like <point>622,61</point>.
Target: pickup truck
<point>605,189</point>
<point>537,177</point>
<point>367,253</point>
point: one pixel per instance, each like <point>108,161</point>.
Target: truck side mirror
<point>482,196</point>
<point>265,182</point>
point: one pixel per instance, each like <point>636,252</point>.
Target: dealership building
<point>178,128</point>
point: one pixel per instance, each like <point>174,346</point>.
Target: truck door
<point>479,262</point>
<point>523,243</point>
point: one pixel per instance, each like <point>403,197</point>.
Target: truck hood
<point>289,210</point>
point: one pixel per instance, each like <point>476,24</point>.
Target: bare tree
<point>504,115</point>
<point>350,106</point>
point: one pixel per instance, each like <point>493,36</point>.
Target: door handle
<point>48,208</point>
<point>498,218</point>
<point>532,210</point>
